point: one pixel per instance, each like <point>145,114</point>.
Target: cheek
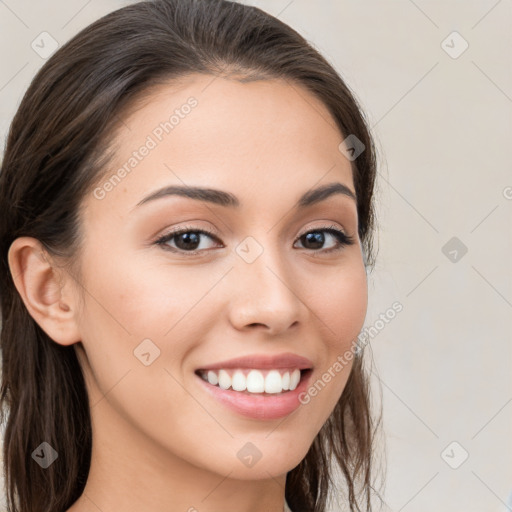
<point>341,309</point>
<point>134,299</point>
<point>138,312</point>
<point>131,330</point>
<point>343,305</point>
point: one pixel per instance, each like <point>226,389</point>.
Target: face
<point>253,274</point>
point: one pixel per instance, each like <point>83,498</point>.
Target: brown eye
<point>185,240</point>
<point>315,239</point>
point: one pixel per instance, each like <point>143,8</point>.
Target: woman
<point>187,191</point>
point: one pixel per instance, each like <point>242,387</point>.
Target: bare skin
<point>160,442</point>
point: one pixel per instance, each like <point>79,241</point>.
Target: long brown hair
<point>55,153</point>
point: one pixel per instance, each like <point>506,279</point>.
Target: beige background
<point>443,126</point>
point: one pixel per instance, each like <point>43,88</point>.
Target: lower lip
<point>259,406</point>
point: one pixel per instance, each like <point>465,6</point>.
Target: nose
<point>264,295</point>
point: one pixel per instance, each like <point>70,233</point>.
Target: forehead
<point>259,139</point>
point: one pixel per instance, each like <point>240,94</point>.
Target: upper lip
<point>284,360</point>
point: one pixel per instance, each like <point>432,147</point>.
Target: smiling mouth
<point>253,381</point>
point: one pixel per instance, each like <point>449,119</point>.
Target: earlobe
<point>45,290</point>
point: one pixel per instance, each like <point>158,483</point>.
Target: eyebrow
<point>227,199</point>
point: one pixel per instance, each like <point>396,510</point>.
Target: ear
<point>45,289</point>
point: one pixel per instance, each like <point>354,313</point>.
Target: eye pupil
<point>316,238</point>
<point>190,239</point>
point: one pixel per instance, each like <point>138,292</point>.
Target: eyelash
<point>342,239</point>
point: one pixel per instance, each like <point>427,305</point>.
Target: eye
<point>316,238</point>
<point>188,239</point>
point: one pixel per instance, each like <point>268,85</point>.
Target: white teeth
<point>212,378</point>
<point>273,382</point>
<point>294,379</point>
<point>254,381</point>
<point>286,381</point>
<point>224,379</point>
<point>238,381</point>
